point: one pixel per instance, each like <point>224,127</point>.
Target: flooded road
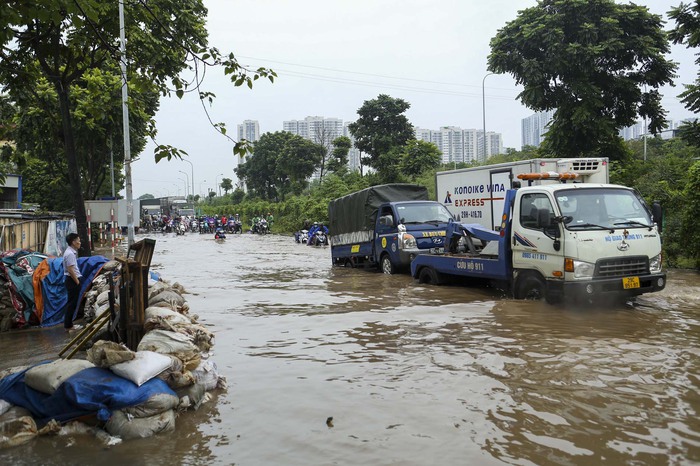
<point>410,374</point>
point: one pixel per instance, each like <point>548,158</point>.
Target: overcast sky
<point>331,56</point>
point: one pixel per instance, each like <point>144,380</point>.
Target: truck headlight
<point>655,264</point>
<point>407,241</point>
<point>583,269</point>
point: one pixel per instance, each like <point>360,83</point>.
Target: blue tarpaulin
<point>53,288</point>
<point>90,391</point>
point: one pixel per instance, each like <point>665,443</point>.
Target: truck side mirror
<point>657,214</point>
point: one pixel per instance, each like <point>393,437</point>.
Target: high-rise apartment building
<point>249,130</point>
<point>459,145</point>
<point>534,128</point>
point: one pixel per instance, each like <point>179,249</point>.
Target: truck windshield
<point>423,213</point>
<point>598,208</point>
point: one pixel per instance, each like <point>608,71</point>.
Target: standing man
<point>72,278</point>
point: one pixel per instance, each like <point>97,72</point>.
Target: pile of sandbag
<point>174,352</point>
<point>97,297</point>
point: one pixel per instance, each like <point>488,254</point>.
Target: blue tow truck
<point>578,240</point>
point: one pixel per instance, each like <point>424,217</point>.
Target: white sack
<point>141,369</point>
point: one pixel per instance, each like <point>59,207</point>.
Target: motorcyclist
<point>219,234</point>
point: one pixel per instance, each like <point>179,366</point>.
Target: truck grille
<point>635,265</point>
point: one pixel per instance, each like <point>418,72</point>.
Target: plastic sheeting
<point>354,212</point>
<point>90,391</point>
<point>53,288</point>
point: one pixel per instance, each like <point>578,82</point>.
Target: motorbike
<point>301,236</point>
<point>319,239</point>
<point>263,227</point>
<point>180,229</point>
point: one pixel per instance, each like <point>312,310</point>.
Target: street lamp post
<point>216,182</point>
<point>184,184</point>
<point>200,186</point>
<point>192,170</point>
<point>483,107</point>
<point>187,192</point>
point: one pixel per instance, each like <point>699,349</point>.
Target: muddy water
<point>410,374</point>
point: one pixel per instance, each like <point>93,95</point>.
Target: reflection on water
<point>413,374</point>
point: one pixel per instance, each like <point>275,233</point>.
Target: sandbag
<point>108,353</point>
<point>79,428</point>
<point>156,404</point>
<point>12,370</point>
<point>172,343</point>
<point>128,427</point>
<point>167,298</point>
<point>192,396</point>
<point>207,374</point>
<point>4,406</point>
<point>141,369</point>
<point>153,312</point>
<point>14,412</point>
<point>47,377</point>
<point>156,288</point>
<point>17,431</point>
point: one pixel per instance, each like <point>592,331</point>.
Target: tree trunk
<point>73,169</point>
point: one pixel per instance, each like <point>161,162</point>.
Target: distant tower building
<point>534,128</point>
<point>317,129</point>
<point>250,131</point>
<point>354,153</point>
<point>459,145</point>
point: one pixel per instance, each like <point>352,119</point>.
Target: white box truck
<point>476,195</point>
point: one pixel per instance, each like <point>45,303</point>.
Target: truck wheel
<point>530,286</point>
<point>429,276</point>
<point>386,265</point>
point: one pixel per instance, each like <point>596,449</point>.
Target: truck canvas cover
<point>351,217</point>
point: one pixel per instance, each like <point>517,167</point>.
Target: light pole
<point>177,187</point>
<point>200,187</point>
<point>187,193</point>
<point>216,183</point>
<point>483,107</point>
<point>184,184</point>
<point>192,170</point>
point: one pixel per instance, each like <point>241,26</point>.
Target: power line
<point>385,85</point>
<point>368,74</point>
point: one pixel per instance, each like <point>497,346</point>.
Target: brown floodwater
<point>410,374</point>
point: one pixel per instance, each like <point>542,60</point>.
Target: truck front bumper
<point>609,287</point>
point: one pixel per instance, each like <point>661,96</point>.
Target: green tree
<point>381,126</point>
<point>417,157</point>
<point>226,185</point>
<point>687,31</point>
<point>279,164</point>
<point>598,63</point>
<point>63,41</point>
<point>339,160</point>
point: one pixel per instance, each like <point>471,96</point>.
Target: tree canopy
<point>687,31</point>
<point>65,41</point>
<point>598,63</point>
<point>280,164</point>
<point>381,126</point>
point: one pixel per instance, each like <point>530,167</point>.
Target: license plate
<point>630,282</point>
<point>437,250</point>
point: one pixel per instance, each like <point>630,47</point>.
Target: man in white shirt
<point>72,275</point>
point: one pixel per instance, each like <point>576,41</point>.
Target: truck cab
<point>585,240</point>
<point>405,229</point>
